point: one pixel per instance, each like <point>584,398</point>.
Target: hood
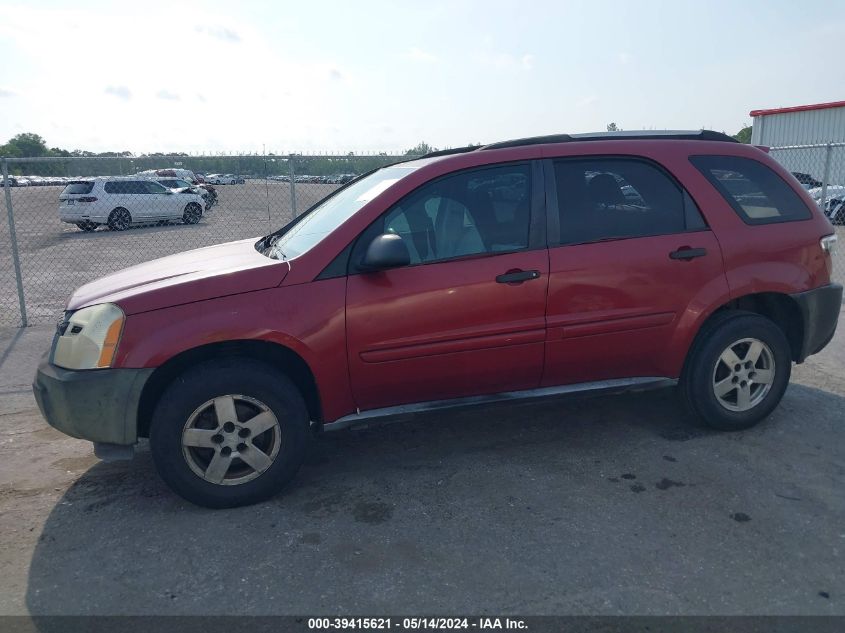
<point>197,275</point>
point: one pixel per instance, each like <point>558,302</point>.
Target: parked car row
<point>224,179</point>
<point>37,181</point>
<point>336,179</point>
<point>834,204</point>
<point>118,202</point>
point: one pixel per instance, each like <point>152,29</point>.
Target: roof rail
<point>686,135</point>
<point>446,152</point>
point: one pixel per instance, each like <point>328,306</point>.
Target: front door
<point>467,317</point>
<point>632,267</point>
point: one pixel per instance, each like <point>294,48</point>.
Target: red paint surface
<point>604,310</point>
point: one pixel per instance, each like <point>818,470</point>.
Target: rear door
<point>632,266</point>
<point>467,317</point>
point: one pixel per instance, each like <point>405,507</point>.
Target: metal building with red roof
<point>799,125</point>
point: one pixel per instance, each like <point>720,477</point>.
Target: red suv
<point>524,269</point>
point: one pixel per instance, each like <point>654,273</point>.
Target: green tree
<point>612,127</point>
<point>744,135</point>
<point>420,149</point>
<point>25,144</point>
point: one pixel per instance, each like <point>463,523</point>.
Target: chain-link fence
<point>71,220</point>
<point>820,169</point>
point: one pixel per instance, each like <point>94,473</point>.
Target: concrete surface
<point>612,505</point>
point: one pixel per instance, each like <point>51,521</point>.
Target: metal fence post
<point>826,176</point>
<point>292,186</point>
<point>14,240</point>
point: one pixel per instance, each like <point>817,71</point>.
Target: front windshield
<point>333,212</point>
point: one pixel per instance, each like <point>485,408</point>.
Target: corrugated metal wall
<point>800,128</point>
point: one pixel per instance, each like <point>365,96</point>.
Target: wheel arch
<point>273,354</point>
<point>778,307</point>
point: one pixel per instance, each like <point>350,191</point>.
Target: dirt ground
<point>614,505</point>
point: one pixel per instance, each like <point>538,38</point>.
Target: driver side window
<point>474,212</point>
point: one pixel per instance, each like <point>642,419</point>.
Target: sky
<point>311,75</point>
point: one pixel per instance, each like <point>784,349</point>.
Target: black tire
<point>87,226</point>
<point>192,213</point>
<point>697,384</point>
<point>839,214</point>
<point>119,219</point>
<point>193,390</point>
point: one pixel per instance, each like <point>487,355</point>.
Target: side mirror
<point>386,251</point>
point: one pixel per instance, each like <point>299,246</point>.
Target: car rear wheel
<point>120,219</point>
<point>737,372</point>
<point>192,213</point>
<point>229,433</point>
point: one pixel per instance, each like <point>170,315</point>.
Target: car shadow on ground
<point>590,505</point>
<point>153,227</point>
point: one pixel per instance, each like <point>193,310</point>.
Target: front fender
<point>308,319</point>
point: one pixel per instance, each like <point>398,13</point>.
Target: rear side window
<point>619,198</point>
<point>133,187</point>
<point>124,187</point>
<point>756,193</point>
<point>78,188</point>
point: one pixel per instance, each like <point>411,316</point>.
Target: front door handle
<point>687,253</point>
<point>517,276</point>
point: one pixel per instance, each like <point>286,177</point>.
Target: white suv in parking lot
<point>121,202</point>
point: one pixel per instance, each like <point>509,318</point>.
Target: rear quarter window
<point>125,187</point>
<point>78,188</point>
<point>755,192</point>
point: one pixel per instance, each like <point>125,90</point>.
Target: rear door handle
<point>688,253</point>
<point>517,276</point>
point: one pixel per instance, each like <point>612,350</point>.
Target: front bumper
<point>820,312</point>
<point>100,405</point>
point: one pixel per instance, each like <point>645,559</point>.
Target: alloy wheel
<point>120,220</point>
<point>743,374</point>
<point>231,439</point>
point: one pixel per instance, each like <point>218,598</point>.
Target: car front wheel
<point>738,370</point>
<point>192,213</point>
<point>229,433</point>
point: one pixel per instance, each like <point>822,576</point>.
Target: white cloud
<point>587,101</point>
<point>7,92</point>
<point>506,61</point>
<point>419,55</point>
<point>624,58</point>
<point>220,32</point>
<point>121,92</point>
<point>38,38</point>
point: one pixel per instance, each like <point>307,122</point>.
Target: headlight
<point>90,339</point>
